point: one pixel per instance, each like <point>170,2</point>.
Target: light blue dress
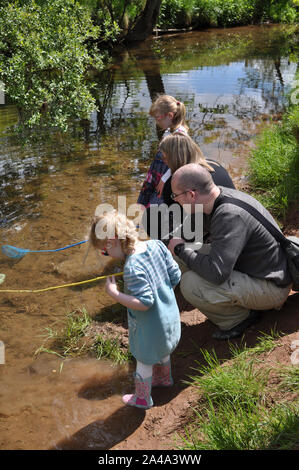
<point>150,277</point>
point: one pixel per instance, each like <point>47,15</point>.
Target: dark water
<point>232,82</point>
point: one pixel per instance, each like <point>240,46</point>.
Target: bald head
<point>193,176</point>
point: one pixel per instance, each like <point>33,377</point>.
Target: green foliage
<point>115,16</point>
<point>182,13</point>
<point>177,13</point>
<point>274,165</point>
<point>282,11</point>
<point>225,12</point>
<point>44,59</point>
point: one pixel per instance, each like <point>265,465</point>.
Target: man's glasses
<point>174,196</point>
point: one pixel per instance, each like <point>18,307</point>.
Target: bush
<point>177,13</point>
<point>44,58</point>
<point>182,13</point>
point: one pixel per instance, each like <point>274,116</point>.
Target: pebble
<point>295,357</point>
<point>295,353</point>
<point>295,344</point>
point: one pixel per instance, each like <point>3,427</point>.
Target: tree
<point>44,59</point>
<point>146,22</point>
<point>135,19</point>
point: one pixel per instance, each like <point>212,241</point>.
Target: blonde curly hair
<point>118,226</point>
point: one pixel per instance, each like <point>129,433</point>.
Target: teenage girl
<point>150,275</point>
<point>178,150</point>
<point>170,115</point>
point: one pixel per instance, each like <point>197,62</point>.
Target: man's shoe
<point>238,330</point>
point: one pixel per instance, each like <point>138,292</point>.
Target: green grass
<point>234,411</point>
<point>274,165</point>
<point>290,378</point>
<point>265,343</point>
<point>240,384</point>
<point>110,348</point>
<point>68,342</point>
<point>71,341</point>
<point>226,427</point>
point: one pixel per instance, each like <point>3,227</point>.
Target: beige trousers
<point>229,303</point>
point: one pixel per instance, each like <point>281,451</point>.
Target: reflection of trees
<point>23,166</point>
<point>153,58</point>
<point>260,75</point>
<point>147,64</point>
<point>128,132</point>
<point>105,92</point>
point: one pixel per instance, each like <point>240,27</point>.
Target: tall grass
<point>240,384</point>
<point>253,428</point>
<point>274,165</point>
<point>233,412</point>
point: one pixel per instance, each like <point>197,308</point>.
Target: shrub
<point>44,58</point>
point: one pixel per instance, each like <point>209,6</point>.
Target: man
<point>242,271</point>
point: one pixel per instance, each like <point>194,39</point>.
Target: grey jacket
<point>239,242</point>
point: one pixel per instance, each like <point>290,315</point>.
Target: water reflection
<point>227,79</point>
<point>230,80</point>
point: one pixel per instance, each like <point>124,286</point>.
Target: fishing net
<point>13,251</point>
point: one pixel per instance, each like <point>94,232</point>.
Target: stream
<point>233,83</point>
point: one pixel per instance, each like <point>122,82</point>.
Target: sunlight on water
<point>232,81</point>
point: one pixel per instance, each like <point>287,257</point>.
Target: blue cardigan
<point>150,277</point>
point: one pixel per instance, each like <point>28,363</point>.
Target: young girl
<point>169,114</point>
<point>150,275</point>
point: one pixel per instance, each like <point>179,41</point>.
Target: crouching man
<point>242,271</point>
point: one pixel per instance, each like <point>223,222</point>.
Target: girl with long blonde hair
<point>179,150</point>
<point>170,115</point>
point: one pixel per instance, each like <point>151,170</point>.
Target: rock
<point>295,357</point>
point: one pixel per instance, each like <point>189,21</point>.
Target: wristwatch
<point>178,248</point>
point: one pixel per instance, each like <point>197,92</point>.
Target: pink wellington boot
<point>162,375</point>
<point>142,396</point>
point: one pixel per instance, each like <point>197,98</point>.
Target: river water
<point>232,82</point>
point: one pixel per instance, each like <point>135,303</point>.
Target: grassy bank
<point>274,165</point>
<point>248,403</point>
